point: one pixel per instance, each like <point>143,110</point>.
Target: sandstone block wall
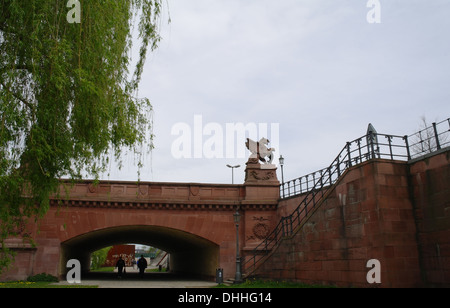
<point>430,182</point>
<point>395,212</point>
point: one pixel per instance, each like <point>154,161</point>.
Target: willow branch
<point>17,96</point>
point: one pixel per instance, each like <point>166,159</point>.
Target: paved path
<point>150,280</point>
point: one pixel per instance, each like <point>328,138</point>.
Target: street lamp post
<point>238,276</point>
<point>232,171</point>
<point>282,172</point>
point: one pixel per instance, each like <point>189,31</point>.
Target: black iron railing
<point>365,148</point>
<point>430,139</point>
<point>316,185</point>
<point>425,141</point>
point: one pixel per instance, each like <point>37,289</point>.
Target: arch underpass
<point>193,222</point>
<point>189,254</point>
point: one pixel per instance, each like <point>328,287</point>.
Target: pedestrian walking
<point>142,265</point>
<point>120,267</point>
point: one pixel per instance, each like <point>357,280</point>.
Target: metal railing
<point>316,185</point>
<point>355,152</point>
<point>425,141</point>
<point>430,139</point>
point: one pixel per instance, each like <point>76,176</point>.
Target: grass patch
<point>39,285</point>
<point>256,283</point>
<point>40,281</point>
<point>103,270</point>
<point>156,270</point>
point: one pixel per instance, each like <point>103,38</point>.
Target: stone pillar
<point>261,182</point>
<point>262,194</point>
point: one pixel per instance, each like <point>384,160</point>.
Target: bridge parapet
<point>259,192</point>
<point>149,195</point>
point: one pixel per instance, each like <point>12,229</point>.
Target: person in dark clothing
<point>142,265</point>
<point>120,266</point>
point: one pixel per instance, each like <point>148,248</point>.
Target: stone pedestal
<point>262,193</point>
<point>261,182</point>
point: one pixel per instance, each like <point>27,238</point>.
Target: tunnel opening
<point>190,255</point>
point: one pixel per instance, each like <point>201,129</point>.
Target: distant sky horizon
<point>317,70</point>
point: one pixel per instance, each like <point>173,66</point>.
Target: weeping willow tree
<point>68,100</point>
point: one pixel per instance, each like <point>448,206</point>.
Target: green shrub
<point>98,258</point>
<point>42,278</point>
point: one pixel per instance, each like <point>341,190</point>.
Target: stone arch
<point>190,253</point>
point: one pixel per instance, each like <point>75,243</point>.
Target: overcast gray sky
<point>316,68</point>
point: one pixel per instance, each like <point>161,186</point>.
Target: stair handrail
<point>353,153</point>
<point>368,147</point>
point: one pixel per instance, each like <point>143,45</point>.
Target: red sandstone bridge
<point>384,197</point>
<point>193,222</point>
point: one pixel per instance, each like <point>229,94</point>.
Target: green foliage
<point>42,278</point>
<point>108,269</point>
<point>273,284</point>
<point>6,256</point>
<point>67,99</point>
<point>41,285</point>
<point>98,258</point>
